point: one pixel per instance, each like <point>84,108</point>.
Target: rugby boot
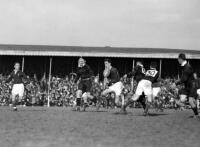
<point>78,108</point>
<point>146,113</point>
<point>14,108</point>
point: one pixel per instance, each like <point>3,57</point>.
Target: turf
<point>61,127</point>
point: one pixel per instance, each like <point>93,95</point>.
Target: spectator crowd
<point>62,91</point>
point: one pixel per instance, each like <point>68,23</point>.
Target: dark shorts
<point>85,85</point>
<point>190,90</point>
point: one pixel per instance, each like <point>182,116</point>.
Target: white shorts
<point>117,88</point>
<point>156,90</point>
<point>144,86</point>
<point>18,89</point>
<point>198,92</point>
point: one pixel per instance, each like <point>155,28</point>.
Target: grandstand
<point>37,58</point>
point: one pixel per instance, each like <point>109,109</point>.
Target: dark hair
<point>182,56</point>
<point>153,64</point>
<point>107,60</point>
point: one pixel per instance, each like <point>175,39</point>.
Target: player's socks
<point>78,103</point>
<point>195,110</point>
<point>123,109</point>
<point>131,101</point>
<point>85,106</point>
<point>14,103</point>
<point>146,111</point>
<point>143,105</point>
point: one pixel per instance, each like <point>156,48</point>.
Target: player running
<point>138,74</point>
<point>17,77</point>
<point>144,86</point>
<point>84,75</point>
<point>190,89</point>
<point>114,83</point>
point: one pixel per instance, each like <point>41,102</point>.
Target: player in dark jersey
<point>190,88</point>
<point>18,87</point>
<point>84,76</point>
<point>144,86</point>
<point>115,85</point>
<point>138,74</point>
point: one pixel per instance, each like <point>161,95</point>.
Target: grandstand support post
<point>160,70</point>
<point>132,77</point>
<point>23,64</point>
<point>133,64</point>
<point>49,83</point>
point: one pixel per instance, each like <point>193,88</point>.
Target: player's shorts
<point>144,86</point>
<point>18,89</point>
<point>198,92</point>
<point>85,85</point>
<point>117,88</point>
<point>190,90</point>
<point>156,91</point>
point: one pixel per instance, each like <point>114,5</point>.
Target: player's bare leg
<point>14,102</point>
<point>117,101</point>
<point>106,91</point>
<point>103,97</point>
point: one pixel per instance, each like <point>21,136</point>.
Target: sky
<point>115,23</point>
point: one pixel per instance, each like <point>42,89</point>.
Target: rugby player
<point>197,81</point>
<point>84,75</point>
<point>18,86</point>
<point>115,85</point>
<point>190,90</point>
<point>138,74</point>
<point>144,86</point>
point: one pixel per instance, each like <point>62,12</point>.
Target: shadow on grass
<point>31,110</point>
<point>154,114</point>
<point>93,111</point>
<point>119,113</point>
<point>141,114</point>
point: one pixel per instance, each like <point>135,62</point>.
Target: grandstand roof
<point>43,50</point>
